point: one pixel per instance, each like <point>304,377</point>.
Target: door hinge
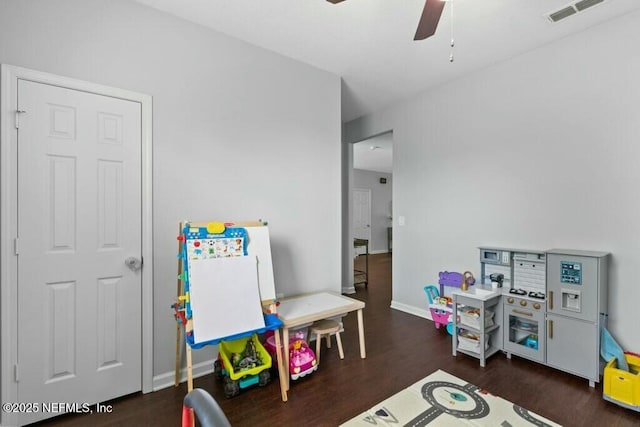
<point>16,246</point>
<point>18,112</point>
<point>16,372</point>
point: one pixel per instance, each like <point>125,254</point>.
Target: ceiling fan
<point>428,21</point>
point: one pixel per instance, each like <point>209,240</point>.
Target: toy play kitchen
<point>548,306</point>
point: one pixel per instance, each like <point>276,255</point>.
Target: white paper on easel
<point>260,247</point>
<point>225,297</point>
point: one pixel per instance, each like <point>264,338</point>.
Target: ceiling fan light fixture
<point>428,20</point>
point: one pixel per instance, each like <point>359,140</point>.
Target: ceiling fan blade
<point>335,1</point>
<point>429,19</point>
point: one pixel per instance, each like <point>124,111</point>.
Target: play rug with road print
<point>444,400</point>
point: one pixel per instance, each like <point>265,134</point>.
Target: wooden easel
<point>185,324</point>
<point>180,293</point>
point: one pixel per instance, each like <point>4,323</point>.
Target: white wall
<point>235,127</point>
<point>537,152</point>
<point>381,196</point>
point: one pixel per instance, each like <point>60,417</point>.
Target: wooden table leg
<point>363,351</point>
<point>285,350</point>
<point>281,373</point>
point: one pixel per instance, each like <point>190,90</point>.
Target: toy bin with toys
<point>469,341</point>
<point>470,316</point>
<point>623,387</point>
<point>242,363</point>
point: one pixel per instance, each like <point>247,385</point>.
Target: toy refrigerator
<point>576,311</point>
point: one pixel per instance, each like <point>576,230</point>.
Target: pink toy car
<point>302,360</point>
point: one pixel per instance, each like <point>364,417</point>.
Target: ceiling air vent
<point>585,4</point>
<point>561,14</point>
<point>572,9</point>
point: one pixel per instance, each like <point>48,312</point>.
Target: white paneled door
<point>362,216</point>
<point>79,219</point>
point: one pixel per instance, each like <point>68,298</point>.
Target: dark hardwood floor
<point>401,349</point>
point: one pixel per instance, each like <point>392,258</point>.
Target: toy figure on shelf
<point>250,350</point>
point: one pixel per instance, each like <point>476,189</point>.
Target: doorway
<point>76,203</point>
<point>372,171</point>
<point>361,216</point>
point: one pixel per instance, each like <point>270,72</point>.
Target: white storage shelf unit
<point>486,303</point>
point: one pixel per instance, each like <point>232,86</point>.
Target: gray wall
<point>235,127</point>
<point>537,152</point>
<point>381,197</point>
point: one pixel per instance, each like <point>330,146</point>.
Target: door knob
<point>133,263</point>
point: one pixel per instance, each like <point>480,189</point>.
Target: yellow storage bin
<point>622,387</point>
<point>228,348</point>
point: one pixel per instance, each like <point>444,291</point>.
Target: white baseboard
<point>381,251</point>
<point>411,310</point>
<point>167,379</point>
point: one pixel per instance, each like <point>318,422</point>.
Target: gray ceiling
<point>369,43</point>
<point>374,154</point>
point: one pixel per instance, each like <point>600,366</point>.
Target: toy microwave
<point>495,256</point>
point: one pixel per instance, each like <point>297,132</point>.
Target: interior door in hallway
<point>79,218</point>
<point>362,216</point>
